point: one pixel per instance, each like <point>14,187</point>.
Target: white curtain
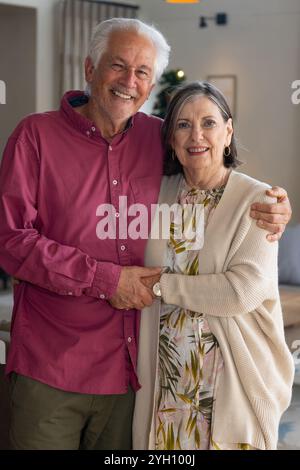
<point>77,20</point>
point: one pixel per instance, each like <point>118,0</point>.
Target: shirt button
<point>102,296</point>
<point>110,147</point>
<point>123,247</point>
<point>70,293</point>
<point>115,182</point>
<point>93,129</point>
<point>117,214</point>
<point>129,339</point>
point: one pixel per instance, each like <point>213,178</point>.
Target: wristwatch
<point>156,289</point>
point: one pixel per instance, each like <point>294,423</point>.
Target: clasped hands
<point>135,287</point>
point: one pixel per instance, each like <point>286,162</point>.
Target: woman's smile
<point>197,151</point>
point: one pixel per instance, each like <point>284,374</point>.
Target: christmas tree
<point>169,81</point>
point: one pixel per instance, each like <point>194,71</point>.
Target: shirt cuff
<point>105,280</point>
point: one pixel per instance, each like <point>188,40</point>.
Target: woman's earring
<point>227,151</point>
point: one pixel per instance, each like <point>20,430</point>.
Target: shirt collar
<point>74,98</point>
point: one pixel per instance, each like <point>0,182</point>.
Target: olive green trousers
<point>44,417</point>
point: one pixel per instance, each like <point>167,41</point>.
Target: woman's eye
<point>183,125</point>
<point>209,123</point>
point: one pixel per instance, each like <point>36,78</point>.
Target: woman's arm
<point>249,280</point>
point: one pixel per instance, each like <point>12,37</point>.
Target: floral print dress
<point>190,359</point>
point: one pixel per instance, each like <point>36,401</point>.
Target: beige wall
<point>17,66</point>
<point>47,51</point>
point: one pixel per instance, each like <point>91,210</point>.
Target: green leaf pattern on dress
<point>190,360</point>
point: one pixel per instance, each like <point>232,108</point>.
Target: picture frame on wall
<point>228,86</point>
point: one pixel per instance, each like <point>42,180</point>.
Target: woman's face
<point>200,136</point>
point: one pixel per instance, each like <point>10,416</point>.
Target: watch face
<point>156,289</point>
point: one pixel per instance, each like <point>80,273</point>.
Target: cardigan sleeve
<point>249,279</point>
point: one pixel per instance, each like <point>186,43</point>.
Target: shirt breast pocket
<point>145,192</point>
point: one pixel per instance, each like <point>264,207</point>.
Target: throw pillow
<point>289,256</point>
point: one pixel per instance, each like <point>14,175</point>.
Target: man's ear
<point>150,91</point>
<point>89,69</point>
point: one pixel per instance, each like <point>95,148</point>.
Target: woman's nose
<point>197,133</point>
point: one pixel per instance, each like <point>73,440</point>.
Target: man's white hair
<point>103,30</point>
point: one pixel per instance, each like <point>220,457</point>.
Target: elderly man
<point>75,322</point>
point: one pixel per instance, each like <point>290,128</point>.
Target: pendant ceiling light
<point>182,1</point>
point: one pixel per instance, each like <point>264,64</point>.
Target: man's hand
<point>131,291</point>
<point>151,280</point>
<point>273,217</point>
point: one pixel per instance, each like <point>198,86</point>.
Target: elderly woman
<point>213,363</point>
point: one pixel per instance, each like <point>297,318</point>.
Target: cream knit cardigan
<point>237,292</point>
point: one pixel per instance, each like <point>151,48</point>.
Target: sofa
<point>290,302</point>
<point>289,285</point>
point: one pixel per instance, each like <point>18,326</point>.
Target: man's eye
<point>183,125</point>
<point>117,67</point>
<point>143,73</point>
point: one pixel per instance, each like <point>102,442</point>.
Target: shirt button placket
<point>116,188</point>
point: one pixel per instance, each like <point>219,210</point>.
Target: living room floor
<point>289,432</point>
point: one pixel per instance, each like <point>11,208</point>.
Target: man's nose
<point>129,78</point>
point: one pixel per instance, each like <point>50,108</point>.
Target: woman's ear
<point>229,127</point>
<point>172,142</point>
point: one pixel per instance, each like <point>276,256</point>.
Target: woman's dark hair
<point>182,95</point>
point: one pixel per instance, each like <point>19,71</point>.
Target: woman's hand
<point>273,217</point>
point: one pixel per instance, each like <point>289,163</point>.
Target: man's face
<point>122,80</point>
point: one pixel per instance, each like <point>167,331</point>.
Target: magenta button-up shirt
<point>56,171</point>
